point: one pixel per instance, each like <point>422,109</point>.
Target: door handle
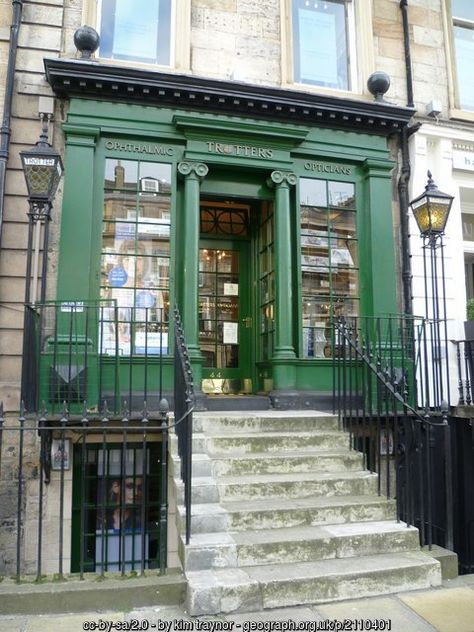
<point>247,322</point>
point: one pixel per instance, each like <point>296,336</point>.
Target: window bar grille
<point>144,421</point>
<point>63,421</point>
<point>20,491</point>
<point>84,423</point>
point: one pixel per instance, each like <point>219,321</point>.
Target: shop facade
<point>234,202</point>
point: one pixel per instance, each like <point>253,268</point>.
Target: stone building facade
<point>218,47</point>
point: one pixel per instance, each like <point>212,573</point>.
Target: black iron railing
<point>93,351</point>
<point>379,389</point>
<point>85,493</point>
<point>183,411</point>
<point>83,485</point>
<point>465,370</point>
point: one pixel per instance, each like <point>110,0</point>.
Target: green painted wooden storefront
<point>240,191</point>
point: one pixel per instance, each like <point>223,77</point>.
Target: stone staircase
<point>284,514</point>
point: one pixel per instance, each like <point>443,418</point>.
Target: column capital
<point>287,178</point>
<point>196,169</point>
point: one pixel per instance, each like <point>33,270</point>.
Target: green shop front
<point>260,212</point>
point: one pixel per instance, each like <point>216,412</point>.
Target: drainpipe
<point>5,131</point>
<point>406,171</point>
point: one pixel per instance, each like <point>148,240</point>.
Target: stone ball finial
<point>378,83</point>
<point>86,40</point>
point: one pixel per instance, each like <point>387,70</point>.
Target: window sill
<point>333,92</point>
<point>461,115</point>
<point>125,63</point>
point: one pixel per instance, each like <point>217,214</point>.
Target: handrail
<point>380,409</point>
<point>382,379</point>
<point>183,410</point>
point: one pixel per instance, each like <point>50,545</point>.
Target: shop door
<point>225,320</point>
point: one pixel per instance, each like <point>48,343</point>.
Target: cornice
<point>91,80</point>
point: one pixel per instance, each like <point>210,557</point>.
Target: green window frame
<point>329,260</point>
<point>135,256</point>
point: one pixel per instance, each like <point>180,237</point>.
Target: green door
<point>225,319</point>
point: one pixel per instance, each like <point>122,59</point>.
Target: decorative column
<point>193,173</point>
<point>78,222</point>
<point>284,376</point>
<point>377,266</point>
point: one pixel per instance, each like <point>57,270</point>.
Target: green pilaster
<point>378,257</point>
<point>75,257</point>
<point>193,172</point>
<point>284,373</point>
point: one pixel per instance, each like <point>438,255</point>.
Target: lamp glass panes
<point>431,209</point>
<point>43,170</point>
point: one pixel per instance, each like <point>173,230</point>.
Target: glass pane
<point>316,281</point>
<point>227,260</point>
<point>118,233</point>
<point>348,307</point>
<point>207,260</point>
<point>121,174</point>
<point>316,342</point>
<point>207,307</point>
<point>313,192</point>
<point>227,356</point>
<point>343,224</point>
<point>345,282</point>
<point>120,206</point>
<point>320,43</point>
<point>151,245</point>
<point>464,42</point>
<point>343,253</point>
<point>153,230</point>
<point>138,31</point>
<point>207,283</point>
<point>218,221</point>
<point>316,310</point>
<point>150,339</point>
<point>157,170</point>
<point>341,194</point>
<point>463,9</point>
<point>154,207</point>
<point>314,220</point>
<point>228,284</point>
<point>209,353</point>
<point>152,271</point>
<point>228,308</point>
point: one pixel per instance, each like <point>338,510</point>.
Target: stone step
<point>244,443</point>
<point>272,513</point>
<point>297,544</point>
<point>274,421</point>
<point>298,485</point>
<point>258,587</point>
<point>286,462</point>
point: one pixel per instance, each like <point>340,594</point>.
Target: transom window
<point>329,260</point>
<point>135,261</point>
<point>463,27</point>
<point>136,31</point>
<point>322,34</point>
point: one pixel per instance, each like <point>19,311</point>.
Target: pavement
<point>448,608</point>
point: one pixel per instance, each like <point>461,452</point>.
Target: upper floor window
<point>323,36</point>
<point>463,27</point>
<point>136,31</point>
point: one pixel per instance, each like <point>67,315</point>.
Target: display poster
<point>231,289</point>
<point>136,28</point>
<point>318,47</point>
<point>230,333</point>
